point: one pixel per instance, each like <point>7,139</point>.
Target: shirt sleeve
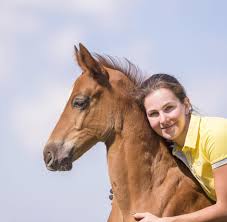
<point>216,146</point>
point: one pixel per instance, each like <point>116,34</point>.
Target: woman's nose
<point>163,118</point>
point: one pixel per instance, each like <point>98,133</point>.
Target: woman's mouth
<point>167,127</point>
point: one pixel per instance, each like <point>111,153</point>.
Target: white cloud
<point>102,8</point>
<point>13,20</point>
<point>21,17</point>
<point>12,24</point>
<point>60,44</point>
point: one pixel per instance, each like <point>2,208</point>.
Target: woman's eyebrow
<point>164,106</point>
<point>167,104</point>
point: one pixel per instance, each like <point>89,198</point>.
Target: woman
<point>200,142</point>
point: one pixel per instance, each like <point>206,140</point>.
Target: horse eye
<point>80,102</point>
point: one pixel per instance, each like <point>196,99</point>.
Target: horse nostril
<point>49,158</point>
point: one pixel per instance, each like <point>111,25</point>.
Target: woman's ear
<point>188,106</point>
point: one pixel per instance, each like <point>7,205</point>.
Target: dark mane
<point>123,65</point>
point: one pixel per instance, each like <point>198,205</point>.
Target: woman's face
<point>167,115</point>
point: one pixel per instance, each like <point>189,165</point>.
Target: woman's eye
<point>80,103</point>
<point>169,108</point>
<point>153,114</point>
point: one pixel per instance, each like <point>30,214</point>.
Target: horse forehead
<point>84,82</point>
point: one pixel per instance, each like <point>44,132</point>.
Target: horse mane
<point>132,71</point>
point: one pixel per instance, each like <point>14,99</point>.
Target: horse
<point>144,176</point>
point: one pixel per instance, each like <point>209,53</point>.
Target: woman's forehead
<point>163,94</point>
<point>160,98</point>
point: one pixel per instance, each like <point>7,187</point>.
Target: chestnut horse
<point>144,176</point>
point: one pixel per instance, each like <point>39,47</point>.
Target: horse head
<point>92,113</point>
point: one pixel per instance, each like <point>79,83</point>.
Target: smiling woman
<point>200,142</point>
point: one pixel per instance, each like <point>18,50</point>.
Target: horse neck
<point>134,154</point>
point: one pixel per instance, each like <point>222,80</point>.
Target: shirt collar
<point>193,131</point>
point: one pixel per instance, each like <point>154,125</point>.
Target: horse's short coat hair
<point>143,174</point>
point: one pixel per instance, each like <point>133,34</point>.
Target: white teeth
<point>167,127</point>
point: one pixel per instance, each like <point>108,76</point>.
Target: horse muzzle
<point>58,156</point>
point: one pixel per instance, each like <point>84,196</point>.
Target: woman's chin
<point>169,136</point>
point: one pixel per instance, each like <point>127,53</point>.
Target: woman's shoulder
<point>213,137</point>
<point>213,125</point>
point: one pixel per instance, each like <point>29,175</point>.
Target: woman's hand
<point>148,217</point>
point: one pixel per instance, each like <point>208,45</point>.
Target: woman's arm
<point>214,213</point>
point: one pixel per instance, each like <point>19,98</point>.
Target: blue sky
<point>185,38</point>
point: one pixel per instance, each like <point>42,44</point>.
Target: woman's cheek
<point>154,124</point>
<point>175,115</point>
<point>175,112</point>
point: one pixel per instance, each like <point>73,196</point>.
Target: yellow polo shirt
<point>205,149</point>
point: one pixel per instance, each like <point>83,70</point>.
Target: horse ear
<point>87,62</point>
<point>79,59</point>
